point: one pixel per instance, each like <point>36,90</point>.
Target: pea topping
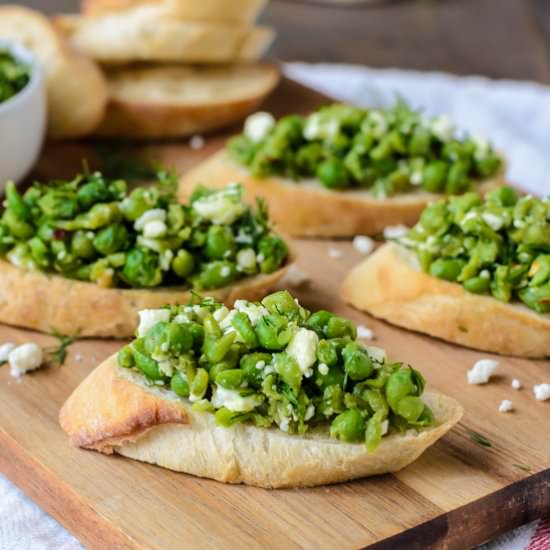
<point>276,364</point>
<point>92,229</point>
<point>386,151</point>
<point>14,75</point>
<point>498,246</point>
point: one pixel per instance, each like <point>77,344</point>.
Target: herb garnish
<point>480,440</point>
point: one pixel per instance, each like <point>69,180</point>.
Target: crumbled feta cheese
<point>303,348</point>
<point>246,258</point>
<point>541,391</point>
<point>25,358</point>
<point>233,400</point>
<point>363,244</point>
<point>493,221</point>
<point>166,368</point>
<point>5,350</point>
<point>181,318</point>
<point>313,128</point>
<point>482,147</point>
<point>377,354</point>
<point>443,128</point>
<point>364,332</point>
<point>485,274</point>
<point>166,260</point>
<point>310,411</point>
<point>196,142</point>
<point>335,253</point>
<point>220,314</point>
<point>225,271</point>
<point>283,424</point>
<point>384,427</point>
<point>253,311</point>
<point>516,384</point>
<point>505,406</point>
<point>482,371</point>
<point>395,231</point>
<point>258,125</point>
<point>154,229</point>
<point>148,318</point>
<point>416,178</point>
<point>323,369</point>
<point>220,208</point>
<point>153,215</point>
<point>260,365</point>
<point>377,123</point>
<point>294,277</point>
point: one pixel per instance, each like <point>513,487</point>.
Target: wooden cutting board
<point>457,495</point>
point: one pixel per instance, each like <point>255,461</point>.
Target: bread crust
<point>76,88</point>
<point>390,284</point>
<point>146,118</point>
<point>39,301</point>
<point>94,413</point>
<point>307,209</point>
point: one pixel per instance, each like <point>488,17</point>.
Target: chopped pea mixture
<point>276,364</point>
<point>92,229</point>
<point>499,246</point>
<point>386,151</point>
<point>14,75</point>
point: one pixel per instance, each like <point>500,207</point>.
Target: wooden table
<point>496,38</point>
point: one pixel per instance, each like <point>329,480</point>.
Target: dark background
<point>496,38</point>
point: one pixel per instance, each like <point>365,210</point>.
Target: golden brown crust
<point>76,89</point>
<point>143,118</point>
<point>316,211</point>
<point>106,410</point>
<point>95,418</point>
<point>39,301</point>
<point>390,285</point>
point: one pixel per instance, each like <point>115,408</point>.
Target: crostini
<point>344,171</point>
<point>87,255</point>
<point>474,272</point>
<point>265,394</point>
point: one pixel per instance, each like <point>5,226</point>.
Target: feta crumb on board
<point>335,253</point>
<point>516,384</point>
<point>295,277</point>
<point>395,231</point>
<point>364,332</point>
<point>196,142</point>
<point>5,350</point>
<point>25,358</point>
<point>541,391</point>
<point>505,406</point>
<point>482,371</point>
<point>363,244</point>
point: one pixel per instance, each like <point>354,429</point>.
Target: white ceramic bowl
<point>22,122</point>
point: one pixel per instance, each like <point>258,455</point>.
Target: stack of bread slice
<point>174,67</point>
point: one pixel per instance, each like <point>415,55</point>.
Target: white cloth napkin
<point>514,115</point>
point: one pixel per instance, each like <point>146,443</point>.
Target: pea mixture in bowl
<point>92,229</point>
<point>385,151</point>
<point>499,246</point>
<point>14,75</point>
<point>275,364</point>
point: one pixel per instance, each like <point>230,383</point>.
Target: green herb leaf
<point>480,440</point>
<point>523,467</point>
<point>57,354</point>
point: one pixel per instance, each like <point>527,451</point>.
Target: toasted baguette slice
<point>76,89</point>
<point>306,208</point>
<point>143,34</point>
<point>39,301</point>
<point>174,101</point>
<point>238,11</point>
<point>112,411</point>
<point>390,284</point>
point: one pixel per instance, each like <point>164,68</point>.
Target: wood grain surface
<point>457,495</point>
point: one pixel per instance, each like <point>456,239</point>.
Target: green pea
<point>227,418</point>
<point>156,338</point>
<point>434,175</point>
<point>215,348</point>
<point>91,193</point>
<point>183,263</point>
<point>241,323</point>
<point>149,367</point>
<point>477,285</point>
<point>400,384</point>
<point>274,252</point>
<point>125,357</point>
<point>179,385</point>
<point>199,385</point>
<point>141,269</point>
<point>288,369</point>
<point>488,165</point>
<point>39,252</point>
<point>457,178</point>
<point>373,432</point>
<point>100,215</point>
<point>333,400</point>
<point>420,143</point>
<point>82,246</point>
<point>6,240</point>
<point>175,217</point>
<point>348,426</point>
<point>180,338</point>
<point>500,285</point>
<point>357,363</point>
<point>446,268</point>
<point>58,204</point>
<point>333,174</point>
<point>136,204</point>
<point>503,196</point>
<point>377,401</point>
<point>410,408</point>
<point>16,203</point>
<point>17,227</point>
<point>231,379</point>
<point>249,364</point>
<point>216,274</point>
<point>273,331</point>
<point>220,242</point>
<point>318,322</point>
<point>283,303</point>
<point>338,327</point>
<point>334,377</point>
<point>111,239</point>
<point>328,352</point>
<point>211,327</point>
